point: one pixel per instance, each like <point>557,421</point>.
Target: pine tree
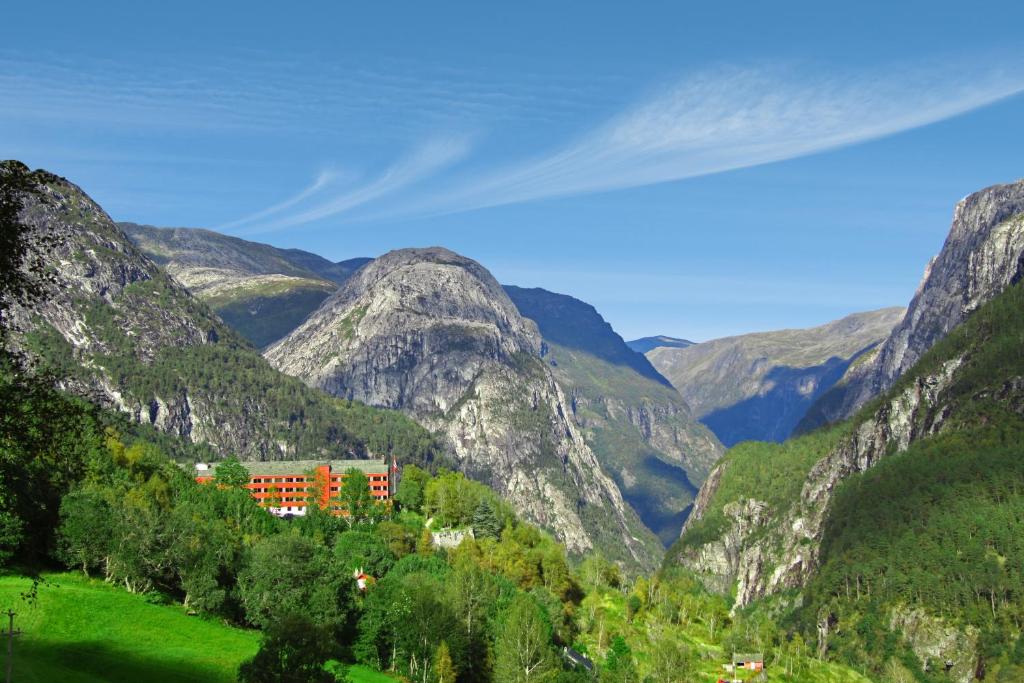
<point>485,521</point>
<point>444,668</point>
<point>425,546</point>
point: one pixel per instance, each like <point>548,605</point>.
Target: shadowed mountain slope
<point>758,386</point>
<point>637,425</point>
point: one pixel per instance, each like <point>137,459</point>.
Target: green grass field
<point>85,631</point>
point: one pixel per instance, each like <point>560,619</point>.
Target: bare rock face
<point>430,332</point>
<point>118,330</point>
<point>763,554</point>
<point>983,254</point>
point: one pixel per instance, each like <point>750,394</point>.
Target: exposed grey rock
<point>110,316</point>
<point>767,554</point>
<point>982,255</point>
<point>433,334</point>
<point>941,647</point>
<point>638,426</point>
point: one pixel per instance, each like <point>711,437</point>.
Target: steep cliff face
<point>261,291</point>
<point>746,533</point>
<point>122,332</point>
<point>758,386</point>
<point>637,425</point>
<point>983,254</point>
<point>432,333</point>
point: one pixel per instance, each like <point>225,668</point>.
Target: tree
<point>16,253</point>
<point>411,487</point>
<point>231,473</point>
<point>363,550</point>
<point>293,650</point>
<point>290,574</point>
<point>84,536</point>
<point>619,666</point>
<point>355,497</point>
<point>444,669</point>
<point>671,660</point>
<point>425,544</point>
<point>523,649</point>
<point>486,523</point>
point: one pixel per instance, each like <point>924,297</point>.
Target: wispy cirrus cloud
<point>422,163</point>
<point>733,118</point>
<point>323,180</point>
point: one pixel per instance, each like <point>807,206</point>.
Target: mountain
<point>117,329</point>
<point>903,519</point>
<point>637,425</point>
<point>431,333</point>
<point>758,386</point>
<point>645,344</point>
<point>983,253</point>
<point>261,291</point>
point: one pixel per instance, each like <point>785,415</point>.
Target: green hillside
<point>930,536</point>
<point>81,630</point>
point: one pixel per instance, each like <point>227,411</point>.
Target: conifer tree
<point>444,668</point>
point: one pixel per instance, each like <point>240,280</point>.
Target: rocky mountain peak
<point>410,330</point>
<point>983,254</point>
<point>432,333</point>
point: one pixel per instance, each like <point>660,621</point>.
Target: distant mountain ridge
<point>260,290</point>
<point>758,386</point>
<point>645,344</point>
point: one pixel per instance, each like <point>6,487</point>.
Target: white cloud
<point>428,159</point>
<point>321,181</point>
<point>735,118</point>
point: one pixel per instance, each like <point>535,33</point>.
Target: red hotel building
<point>291,481</point>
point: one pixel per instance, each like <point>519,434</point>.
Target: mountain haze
<point>645,344</point>
<point>758,386</point>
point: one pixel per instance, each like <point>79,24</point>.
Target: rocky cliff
<point>432,333</point>
<point>765,539</point>
<point>639,428</point>
<point>983,253</point>
<point>261,291</point>
<point>758,386</point>
<point>117,329</point>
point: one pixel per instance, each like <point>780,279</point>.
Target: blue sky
<point>690,170</point>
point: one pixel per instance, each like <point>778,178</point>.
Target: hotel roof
<point>262,468</point>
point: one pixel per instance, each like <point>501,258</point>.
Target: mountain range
<point>759,386</point>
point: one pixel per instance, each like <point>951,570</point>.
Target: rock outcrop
<point>983,253</point>
<point>431,333</point>
<point>118,330</point>
<point>758,386</point>
<point>763,552</point>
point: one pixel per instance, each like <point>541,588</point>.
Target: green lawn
<point>362,674</point>
<point>85,631</point>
